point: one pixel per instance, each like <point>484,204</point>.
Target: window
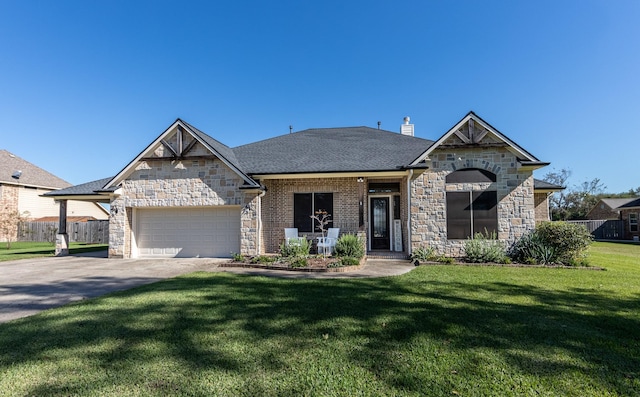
<point>306,204</point>
<point>471,212</point>
<point>633,222</point>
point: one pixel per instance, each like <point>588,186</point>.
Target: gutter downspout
<point>409,211</point>
<point>259,215</point>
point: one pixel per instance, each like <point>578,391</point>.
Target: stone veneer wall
<point>542,207</point>
<point>516,214</point>
<point>188,183</point>
<point>277,205</point>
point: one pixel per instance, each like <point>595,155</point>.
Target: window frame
<point>302,218</point>
<point>633,226</point>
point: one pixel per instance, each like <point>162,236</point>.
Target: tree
<point>9,220</point>
<point>574,203</point>
<point>558,200</point>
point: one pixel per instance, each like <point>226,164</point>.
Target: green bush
<point>294,250</point>
<point>349,261</point>
<point>423,254</point>
<point>237,257</point>
<point>263,259</point>
<point>349,245</point>
<point>484,248</point>
<point>532,250</point>
<point>299,262</point>
<point>553,242</point>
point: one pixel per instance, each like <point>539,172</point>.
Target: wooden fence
<point>610,229</point>
<point>92,232</point>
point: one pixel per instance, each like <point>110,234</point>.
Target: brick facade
<point>628,233</point>
<point>541,202</point>
<point>277,205</point>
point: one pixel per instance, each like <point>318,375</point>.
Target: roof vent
<point>16,174</point>
<point>406,128</point>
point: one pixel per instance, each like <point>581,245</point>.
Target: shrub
<point>263,259</point>
<point>532,250</point>
<point>422,254</point>
<point>299,262</point>
<point>295,250</point>
<point>445,259</point>
<point>484,248</point>
<point>569,240</point>
<point>349,261</point>
<point>237,257</point>
<point>349,245</point>
<point>553,242</point>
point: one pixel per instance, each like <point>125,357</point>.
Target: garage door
<point>188,232</point>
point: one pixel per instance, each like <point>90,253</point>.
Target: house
<point>607,208</point>
<point>187,194</point>
<point>629,214</point>
<point>22,185</point>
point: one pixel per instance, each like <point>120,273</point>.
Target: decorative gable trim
<point>178,153</point>
<point>474,131</point>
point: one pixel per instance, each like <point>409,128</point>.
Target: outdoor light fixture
<point>360,179</point>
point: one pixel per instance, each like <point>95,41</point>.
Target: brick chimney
<point>406,128</point>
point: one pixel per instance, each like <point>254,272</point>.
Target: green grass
<point>439,330</point>
<point>26,250</point>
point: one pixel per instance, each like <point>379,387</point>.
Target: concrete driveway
<point>28,286</point>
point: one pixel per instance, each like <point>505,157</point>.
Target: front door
<point>380,223</point>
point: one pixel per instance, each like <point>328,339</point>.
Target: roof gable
<point>27,174</point>
<point>182,141</point>
<point>473,131</point>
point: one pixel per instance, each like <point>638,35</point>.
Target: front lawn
<point>439,330</point>
<point>25,250</point>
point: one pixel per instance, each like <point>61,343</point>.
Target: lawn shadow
<point>201,320</point>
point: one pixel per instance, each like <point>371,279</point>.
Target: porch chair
<point>291,236</point>
<point>327,244</point>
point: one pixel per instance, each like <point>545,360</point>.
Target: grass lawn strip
<point>439,330</point>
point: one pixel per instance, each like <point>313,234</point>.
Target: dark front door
<point>380,223</point>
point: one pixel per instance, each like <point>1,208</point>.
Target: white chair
<point>291,236</point>
<point>327,244</point>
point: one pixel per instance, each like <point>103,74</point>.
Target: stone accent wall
<point>541,201</point>
<point>163,183</point>
<point>516,214</point>
<point>277,206</point>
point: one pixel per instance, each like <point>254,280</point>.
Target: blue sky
<point>86,85</point>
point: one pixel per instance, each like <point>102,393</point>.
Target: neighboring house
<point>630,215</point>
<point>607,208</point>
<point>22,185</point>
<point>187,194</point>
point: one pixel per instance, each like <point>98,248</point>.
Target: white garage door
<point>188,232</point>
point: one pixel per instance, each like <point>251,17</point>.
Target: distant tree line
<point>576,201</point>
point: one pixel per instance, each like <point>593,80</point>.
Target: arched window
<point>470,175</point>
<point>471,211</point>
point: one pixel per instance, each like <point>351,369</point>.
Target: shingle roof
<point>614,203</point>
<point>84,189</point>
<point>544,185</point>
<point>331,150</point>
<point>224,150</point>
<point>633,203</point>
<point>31,175</point>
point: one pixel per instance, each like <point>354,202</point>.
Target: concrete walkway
<point>28,286</point>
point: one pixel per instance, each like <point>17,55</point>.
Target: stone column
<point>62,238</point>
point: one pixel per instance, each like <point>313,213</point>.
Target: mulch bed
<point>314,265</point>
